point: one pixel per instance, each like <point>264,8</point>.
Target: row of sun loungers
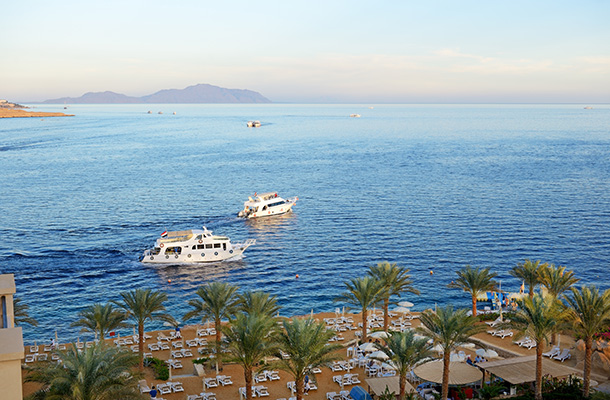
<point>257,391</point>
<point>201,396</point>
<point>346,380</point>
<point>502,333</point>
<point>557,354</point>
<point>206,332</point>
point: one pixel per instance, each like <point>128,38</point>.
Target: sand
<point>14,113</point>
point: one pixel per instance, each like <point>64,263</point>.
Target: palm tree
<point>395,280</point>
<point>306,343</point>
<point>450,329</point>
<point>96,373</point>
<point>21,314</point>
<point>362,292</point>
<point>101,318</point>
<point>217,302</point>
<point>474,281</point>
<point>405,351</point>
<point>556,280</point>
<point>143,305</point>
<point>528,272</point>
<point>589,313</point>
<point>258,302</point>
<point>537,317</point>
<point>249,338</point>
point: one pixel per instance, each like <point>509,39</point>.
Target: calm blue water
<point>430,187</point>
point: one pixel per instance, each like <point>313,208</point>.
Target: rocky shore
<point>14,113</point>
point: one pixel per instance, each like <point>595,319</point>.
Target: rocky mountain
<point>202,93</point>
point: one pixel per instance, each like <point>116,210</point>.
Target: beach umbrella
<point>379,354</point>
<point>379,335</point>
<point>367,347</point>
<point>388,365</point>
<point>406,304</point>
<point>459,373</point>
<point>402,310</point>
<point>468,345</point>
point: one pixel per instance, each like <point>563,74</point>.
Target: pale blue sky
<point>311,51</point>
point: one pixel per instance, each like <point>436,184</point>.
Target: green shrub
<point>159,367</point>
<point>201,360</point>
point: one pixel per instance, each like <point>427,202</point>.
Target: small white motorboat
<point>355,115</point>
<point>254,124</point>
<point>193,246</point>
<point>266,205</point>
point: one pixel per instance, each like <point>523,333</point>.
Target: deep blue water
<point>430,187</point>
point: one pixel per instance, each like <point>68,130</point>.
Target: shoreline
<point>13,113</point>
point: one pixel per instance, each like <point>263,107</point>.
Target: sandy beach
<point>14,113</point>
<point>277,389</point>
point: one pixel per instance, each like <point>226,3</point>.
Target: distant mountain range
<point>202,93</point>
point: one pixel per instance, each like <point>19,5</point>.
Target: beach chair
<point>522,341</point>
<point>194,397</point>
<point>260,378</point>
<point>332,396</point>
<point>316,370</point>
<point>261,391</point>
<point>507,333</point>
<point>494,322</point>
<point>530,345</point>
<point>555,351</point>
<point>164,389</point>
<point>30,358</point>
<point>34,349</point>
<point>565,354</point>
<point>42,357</point>
<point>177,387</point>
<point>143,386</point>
<point>177,345</point>
<point>211,396</point>
<point>285,356</point>
<point>224,380</point>
<point>210,382</point>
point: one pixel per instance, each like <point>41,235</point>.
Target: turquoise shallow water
<point>430,187</point>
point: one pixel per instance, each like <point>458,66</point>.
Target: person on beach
<point>178,334</point>
<point>153,393</point>
<point>307,386</point>
<point>53,344</point>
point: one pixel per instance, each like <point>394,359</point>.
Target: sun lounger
<point>530,345</point>
<point>504,334</point>
<point>565,354</point>
<point>194,397</point>
<point>30,358</point>
<point>494,322</point>
<point>164,389</point>
<point>177,345</point>
<point>555,351</point>
<point>42,357</point>
<point>210,382</point>
<point>224,380</point>
<point>143,385</point>
<point>522,341</point>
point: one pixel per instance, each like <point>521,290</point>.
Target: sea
<point>429,187</point>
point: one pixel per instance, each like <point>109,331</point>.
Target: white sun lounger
<point>565,354</point>
<point>555,351</point>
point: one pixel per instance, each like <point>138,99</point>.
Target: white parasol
<point>379,354</point>
<point>407,304</point>
<point>402,310</point>
<point>367,347</point>
<point>379,335</point>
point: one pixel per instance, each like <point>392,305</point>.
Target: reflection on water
<point>191,276</point>
<point>271,225</point>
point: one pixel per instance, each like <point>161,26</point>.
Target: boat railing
<point>247,243</point>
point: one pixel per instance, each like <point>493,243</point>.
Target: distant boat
<point>253,124</point>
<point>149,112</point>
<point>355,115</point>
<point>588,108</point>
<point>160,112</point>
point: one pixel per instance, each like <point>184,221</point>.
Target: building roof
<point>523,369</point>
<point>378,385</point>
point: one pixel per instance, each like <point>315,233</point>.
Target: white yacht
<point>265,205</point>
<point>253,124</point>
<point>193,246</point>
<point>355,115</point>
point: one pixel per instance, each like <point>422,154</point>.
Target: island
<point>14,110</point>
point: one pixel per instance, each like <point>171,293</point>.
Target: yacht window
<point>198,237</point>
<point>194,247</point>
<point>217,245</point>
<point>155,251</point>
<point>173,250</point>
<point>201,246</point>
<point>209,246</point>
<point>224,246</point>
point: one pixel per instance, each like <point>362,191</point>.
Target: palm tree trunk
<point>364,335</point>
<point>402,384</point>
<point>538,388</point>
<point>141,344</point>
<point>445,391</point>
<point>587,371</point>
<point>218,350</point>
<point>531,291</point>
<point>248,379</point>
<point>474,305</point>
<point>386,319</point>
<point>299,388</point>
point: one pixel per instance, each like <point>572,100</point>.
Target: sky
<point>331,51</point>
